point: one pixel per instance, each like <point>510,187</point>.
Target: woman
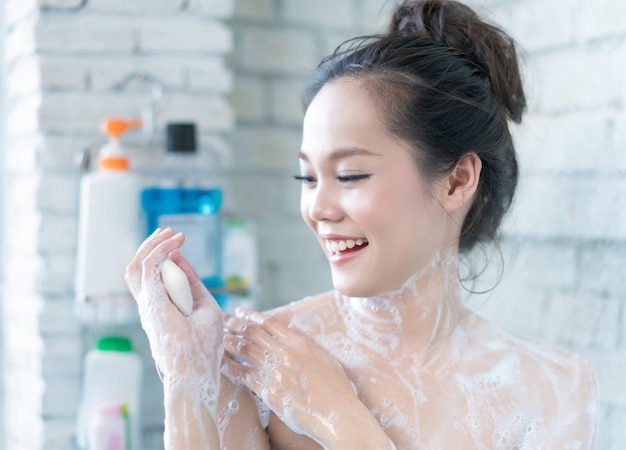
<point>406,162</point>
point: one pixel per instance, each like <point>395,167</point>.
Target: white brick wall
<point>565,242</point>
<point>568,225</point>
<point>69,64</point>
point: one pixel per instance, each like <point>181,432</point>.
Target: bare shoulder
<point>549,363</point>
<point>556,384</point>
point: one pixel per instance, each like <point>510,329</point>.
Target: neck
<point>418,316</point>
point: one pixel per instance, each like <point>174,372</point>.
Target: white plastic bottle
<point>112,376</point>
<point>108,225</point>
<point>240,263</point>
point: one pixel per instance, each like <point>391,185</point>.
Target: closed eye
<point>352,178</point>
<point>305,179</point>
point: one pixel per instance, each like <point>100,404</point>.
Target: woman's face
<point>363,197</point>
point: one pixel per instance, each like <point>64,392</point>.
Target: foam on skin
<point>458,381</point>
<point>433,373</point>
<point>187,355</point>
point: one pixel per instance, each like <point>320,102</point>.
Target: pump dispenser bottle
<point>108,226</point>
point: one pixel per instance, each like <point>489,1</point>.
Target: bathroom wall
<point>277,46</point>
<point>2,133</point>
<point>565,251</point>
<point>564,244</point>
<point>70,61</point>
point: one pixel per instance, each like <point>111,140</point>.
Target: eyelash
<point>341,178</point>
<point>304,179</point>
<point>355,177</point>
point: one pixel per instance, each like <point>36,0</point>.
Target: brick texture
<point>563,244</point>
<point>69,64</point>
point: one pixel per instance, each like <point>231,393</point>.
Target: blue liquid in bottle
<point>195,212</point>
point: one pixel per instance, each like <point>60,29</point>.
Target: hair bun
<point>457,26</point>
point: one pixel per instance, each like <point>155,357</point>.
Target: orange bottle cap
<point>114,163</point>
<point>116,127</point>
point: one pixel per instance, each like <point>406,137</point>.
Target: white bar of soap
<point>177,286</point>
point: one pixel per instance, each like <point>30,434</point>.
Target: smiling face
<point>370,208</point>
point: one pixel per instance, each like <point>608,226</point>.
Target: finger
<point>151,242</point>
<point>157,255</point>
<point>242,374</point>
<point>252,344</point>
<point>246,351</point>
<point>272,325</point>
<point>157,235</point>
<point>252,332</point>
<point>133,270</point>
<point>192,275</point>
<point>151,270</point>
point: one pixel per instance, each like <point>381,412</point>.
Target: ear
<point>462,182</point>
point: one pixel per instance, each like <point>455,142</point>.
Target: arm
<point>187,349</point>
<point>239,423</point>
<point>571,410</point>
<point>300,382</point>
<point>575,425</point>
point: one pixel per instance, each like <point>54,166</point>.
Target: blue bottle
<point>184,195</point>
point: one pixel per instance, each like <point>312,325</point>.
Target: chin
<point>354,289</point>
<point>366,286</point>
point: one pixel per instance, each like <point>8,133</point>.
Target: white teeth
<point>340,246</point>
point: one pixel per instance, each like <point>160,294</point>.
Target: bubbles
<point>289,403</point>
<point>304,381</point>
<point>263,411</point>
<point>233,406</point>
<point>271,360</point>
<point>471,383</point>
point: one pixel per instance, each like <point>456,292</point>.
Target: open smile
<point>344,246</point>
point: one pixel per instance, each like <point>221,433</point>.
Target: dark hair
<point>446,82</point>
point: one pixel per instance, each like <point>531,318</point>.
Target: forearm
<point>191,390</point>
<point>190,420</point>
<point>357,428</point>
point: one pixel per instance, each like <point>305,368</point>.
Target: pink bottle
<point>107,430</point>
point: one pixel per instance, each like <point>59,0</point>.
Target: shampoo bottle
<point>108,224</point>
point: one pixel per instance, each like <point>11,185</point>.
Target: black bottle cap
<point>181,137</point>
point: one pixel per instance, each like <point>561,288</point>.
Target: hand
<point>187,350</point>
<point>297,379</point>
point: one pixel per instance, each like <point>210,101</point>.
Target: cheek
<point>405,214</point>
<point>304,209</point>
<point>401,201</point>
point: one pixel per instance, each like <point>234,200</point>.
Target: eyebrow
<point>342,153</point>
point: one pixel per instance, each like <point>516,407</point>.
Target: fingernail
<point>229,320</point>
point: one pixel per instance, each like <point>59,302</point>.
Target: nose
<point>321,204</point>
